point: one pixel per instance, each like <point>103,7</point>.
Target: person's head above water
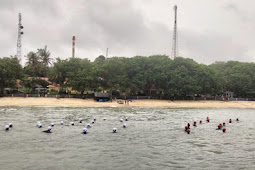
<point>80,120</point>
<point>48,130</point>
<point>7,127</point>
<point>224,130</point>
<point>84,130</point>
<point>114,130</point>
<point>39,125</point>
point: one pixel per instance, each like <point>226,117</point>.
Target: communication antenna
<point>175,35</point>
<point>19,44</point>
<point>73,50</point>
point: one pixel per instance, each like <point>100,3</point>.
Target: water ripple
<point>154,139</point>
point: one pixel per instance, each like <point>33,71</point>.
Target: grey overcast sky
<point>208,30</point>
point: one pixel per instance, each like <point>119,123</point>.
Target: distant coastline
<point>71,102</point>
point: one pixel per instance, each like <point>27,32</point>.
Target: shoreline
<point>72,102</point>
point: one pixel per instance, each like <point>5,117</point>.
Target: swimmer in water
<point>10,125</point>
<point>219,127</point>
<point>84,131</point>
<point>114,130</point>
<point>7,127</point>
<point>88,125</point>
<point>126,118</point>
<point>52,124</point>
<point>125,125</point>
<point>62,123</point>
<point>224,130</point>
<point>80,120</point>
<point>72,123</point>
<point>48,130</point>
<point>186,128</point>
<point>39,125</point>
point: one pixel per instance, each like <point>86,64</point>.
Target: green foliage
<point>100,60</point>
<point>44,56</point>
<point>58,73</point>
<point>10,71</point>
<point>31,83</point>
<point>236,76</point>
<point>120,75</point>
<point>79,74</point>
<point>37,63</point>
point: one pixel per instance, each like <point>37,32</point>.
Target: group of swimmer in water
<point>187,128</point>
<point>7,127</point>
<point>85,131</point>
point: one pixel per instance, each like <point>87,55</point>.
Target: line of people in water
<point>220,126</point>
<point>84,131</point>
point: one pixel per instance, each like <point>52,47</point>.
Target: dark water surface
<point>154,139</point>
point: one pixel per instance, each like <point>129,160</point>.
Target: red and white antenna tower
<point>73,49</point>
<point>175,35</point>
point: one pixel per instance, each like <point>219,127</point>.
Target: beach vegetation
<point>156,76</point>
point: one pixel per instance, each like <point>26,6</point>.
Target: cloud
<point>208,31</point>
<point>209,47</point>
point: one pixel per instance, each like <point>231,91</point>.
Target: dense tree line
<point>156,75</point>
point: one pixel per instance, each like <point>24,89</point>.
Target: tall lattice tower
<point>19,44</point>
<point>175,35</point>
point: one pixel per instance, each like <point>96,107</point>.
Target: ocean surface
<point>154,139</point>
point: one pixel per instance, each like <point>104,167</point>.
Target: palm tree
<point>44,55</point>
<point>33,59</point>
<point>33,62</point>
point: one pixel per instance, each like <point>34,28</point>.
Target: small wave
<point>200,145</point>
<point>217,152</point>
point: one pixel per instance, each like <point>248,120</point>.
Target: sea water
<point>154,139</point>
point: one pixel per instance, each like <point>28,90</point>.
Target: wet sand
<point>71,102</point>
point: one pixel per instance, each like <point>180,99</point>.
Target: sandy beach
<point>71,102</point>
